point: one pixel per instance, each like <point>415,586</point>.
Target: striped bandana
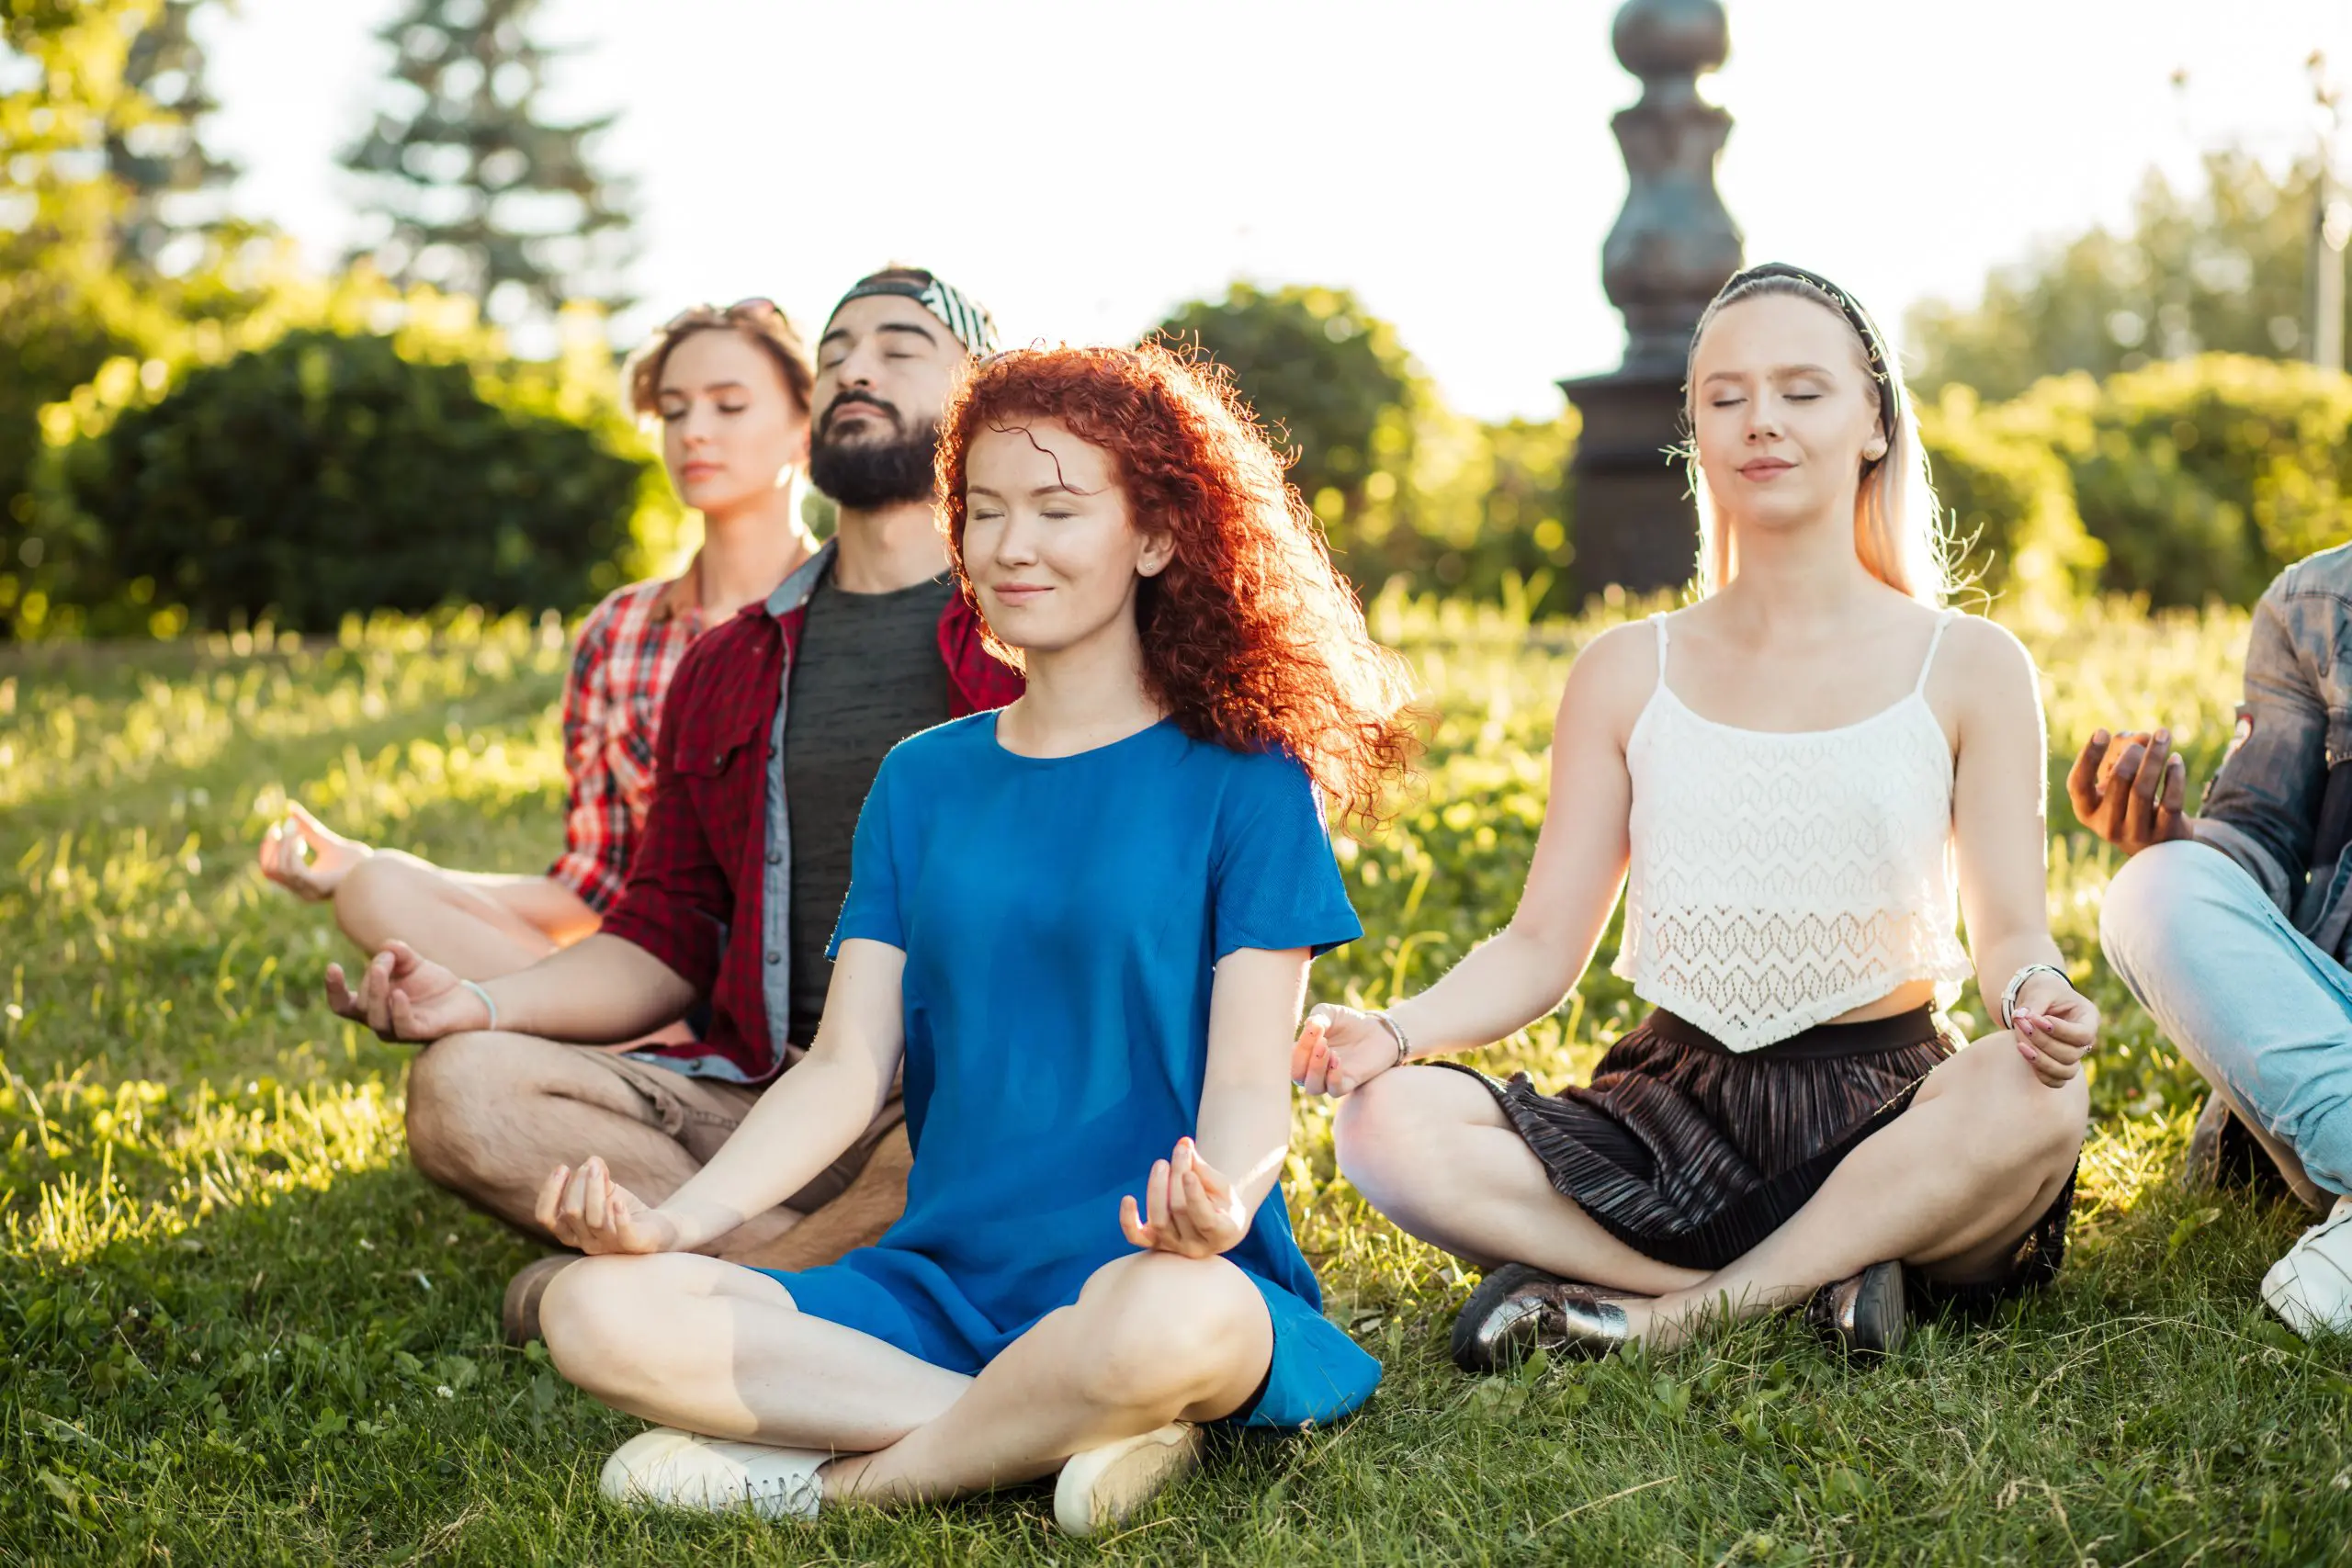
<point>962,315</point>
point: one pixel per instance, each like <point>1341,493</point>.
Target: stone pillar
<point>1672,247</point>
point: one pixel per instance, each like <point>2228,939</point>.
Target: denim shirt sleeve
<point>2263,805</point>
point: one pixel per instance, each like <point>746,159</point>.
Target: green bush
<point>2010,502</point>
<point>1481,513</point>
<point>329,473</point>
<point>1406,487</point>
<point>2203,476</point>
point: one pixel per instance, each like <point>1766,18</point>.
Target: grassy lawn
<point>235,1327</point>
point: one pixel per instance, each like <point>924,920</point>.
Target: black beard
<point>866,475</point>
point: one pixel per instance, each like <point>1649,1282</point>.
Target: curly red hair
<point>1251,638</point>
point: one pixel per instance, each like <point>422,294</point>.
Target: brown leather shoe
<point>1517,1311</point>
<point>518,1315</point>
<point>1865,1315</point>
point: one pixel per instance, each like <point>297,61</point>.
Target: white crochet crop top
<point>1780,879</point>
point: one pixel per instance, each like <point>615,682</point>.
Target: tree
<point>1323,373</point>
<point>63,309</point>
<point>1408,487</point>
<point>173,188</point>
<point>469,188</point>
<point>2225,269</point>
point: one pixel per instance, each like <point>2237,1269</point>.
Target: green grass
<point>237,1328</point>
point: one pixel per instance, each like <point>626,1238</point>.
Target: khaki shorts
<point>703,1113</point>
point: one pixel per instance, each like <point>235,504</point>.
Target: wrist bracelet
<point>1395,1032</point>
<point>486,1000</point>
<point>2016,983</point>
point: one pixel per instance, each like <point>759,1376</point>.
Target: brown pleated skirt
<point>1691,1152</point>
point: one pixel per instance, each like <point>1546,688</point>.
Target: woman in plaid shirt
<point>732,390</point>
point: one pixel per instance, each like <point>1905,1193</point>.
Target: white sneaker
<point>1102,1486</point>
<point>2311,1286</point>
<point>668,1469</point>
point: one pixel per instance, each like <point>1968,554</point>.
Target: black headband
<point>1890,390</point>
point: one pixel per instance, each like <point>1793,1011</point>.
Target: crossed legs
<point>711,1348</point>
<point>1949,1187</point>
<point>491,1114</point>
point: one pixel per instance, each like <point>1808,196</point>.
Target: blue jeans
<point>2266,1016</point>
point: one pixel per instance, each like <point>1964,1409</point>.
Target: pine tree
<point>468,188</point>
<point>174,190</point>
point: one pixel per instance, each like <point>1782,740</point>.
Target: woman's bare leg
<point>1430,1149</point>
<point>1949,1187</point>
<point>1152,1338</point>
<point>447,919</point>
<point>694,1342</point>
<point>714,1348</point>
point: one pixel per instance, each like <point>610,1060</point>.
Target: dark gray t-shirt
<point>868,675</point>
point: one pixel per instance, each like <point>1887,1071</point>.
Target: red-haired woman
<point>1083,923</point>
<point>732,388</point>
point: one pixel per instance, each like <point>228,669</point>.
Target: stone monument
<point>1672,247</point>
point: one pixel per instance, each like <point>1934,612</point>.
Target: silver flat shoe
<point>1517,1311</point>
<point>1866,1314</point>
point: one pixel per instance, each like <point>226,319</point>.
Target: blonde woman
<point>1811,773</point>
<point>732,390</point>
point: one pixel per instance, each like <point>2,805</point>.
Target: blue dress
<point>1062,918</point>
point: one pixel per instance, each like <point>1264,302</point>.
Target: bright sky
<point>1082,167</point>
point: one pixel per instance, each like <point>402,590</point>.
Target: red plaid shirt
<point>695,897</point>
<point>622,663</point>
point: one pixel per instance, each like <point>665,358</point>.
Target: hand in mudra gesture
<point>587,1211</point>
<point>2131,789</point>
<point>1189,1208</point>
<point>1340,1051</point>
<point>2056,1026</point>
<point>302,853</point>
<point>405,998</point>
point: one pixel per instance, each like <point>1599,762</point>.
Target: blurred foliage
<point>1325,375</point>
<point>123,279</point>
<point>2182,482</point>
<point>2224,269</point>
<point>2010,502</point>
<point>470,187</point>
<point>332,468</point>
<point>173,215</point>
<point>2204,477</point>
<point>77,287</point>
<point>1408,487</point>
